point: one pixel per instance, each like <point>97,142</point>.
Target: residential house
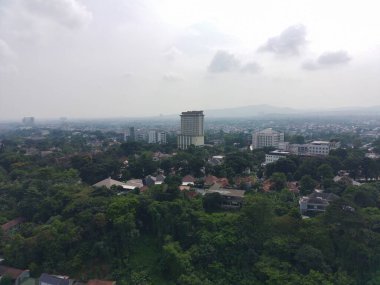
<point>316,202</point>
<point>133,183</point>
<point>108,183</point>
<point>47,279</point>
<point>188,180</point>
<point>232,198</point>
<point>17,275</point>
<point>12,225</point>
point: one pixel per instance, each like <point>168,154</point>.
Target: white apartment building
<point>319,148</point>
<point>192,129</point>
<point>152,136</point>
<point>155,136</point>
<point>314,148</point>
<point>267,137</point>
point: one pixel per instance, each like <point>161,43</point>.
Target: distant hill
<point>250,111</point>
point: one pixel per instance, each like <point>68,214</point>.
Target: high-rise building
<point>132,135</point>
<point>152,136</point>
<point>192,130</point>
<point>28,121</point>
<point>267,137</point>
<point>161,137</point>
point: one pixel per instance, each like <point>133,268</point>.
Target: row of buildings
<point>150,136</point>
<point>272,138</point>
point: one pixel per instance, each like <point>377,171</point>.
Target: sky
<point>121,58</point>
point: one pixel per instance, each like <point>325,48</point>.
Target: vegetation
<point>164,236</point>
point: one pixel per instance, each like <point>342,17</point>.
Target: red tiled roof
<point>9,225</point>
<point>210,179</point>
<point>100,282</point>
<point>10,271</point>
<point>188,178</point>
<point>222,181</point>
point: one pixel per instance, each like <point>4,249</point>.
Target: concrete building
<point>161,137</point>
<point>28,121</point>
<point>275,155</point>
<point>267,137</point>
<point>316,202</point>
<point>322,148</point>
<point>192,129</point>
<point>152,136</point>
<point>314,148</point>
<point>155,136</point>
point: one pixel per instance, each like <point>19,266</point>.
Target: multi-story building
<point>275,155</point>
<point>161,137</point>
<point>192,129</point>
<point>267,137</point>
<point>152,136</point>
<point>155,136</point>
<point>28,121</point>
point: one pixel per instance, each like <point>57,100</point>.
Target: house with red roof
<point>188,180</point>
<point>12,225</point>
<point>17,275</point>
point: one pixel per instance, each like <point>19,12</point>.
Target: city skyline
<point>86,59</point>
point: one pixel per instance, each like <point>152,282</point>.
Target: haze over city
<point>115,58</point>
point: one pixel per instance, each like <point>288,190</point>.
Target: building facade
<point>192,129</point>
<point>267,137</point>
<point>275,155</point>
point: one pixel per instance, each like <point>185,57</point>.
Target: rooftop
<point>108,182</point>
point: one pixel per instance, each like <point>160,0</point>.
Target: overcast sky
<point>108,58</point>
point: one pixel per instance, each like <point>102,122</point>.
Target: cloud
<point>172,77</point>
<point>288,42</point>
<point>68,13</point>
<point>223,62</point>
<point>7,58</point>
<point>172,53</point>
<point>251,67</point>
<point>201,37</point>
<point>327,59</point>
<point>331,58</point>
<point>310,65</point>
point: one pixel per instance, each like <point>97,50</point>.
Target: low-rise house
<point>17,275</point>
<point>345,179</point>
<point>216,160</point>
<point>188,180</point>
<point>47,279</point>
<point>151,180</point>
<point>133,183</point>
<point>160,179</point>
<point>210,180</point>
<point>108,183</point>
<point>232,198</point>
<point>316,202</point>
<point>12,225</point>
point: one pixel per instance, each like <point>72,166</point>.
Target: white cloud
<point>68,13</point>
<point>332,58</point>
<point>7,58</point>
<point>251,67</point>
<point>327,59</point>
<point>223,62</point>
<point>172,77</point>
<point>172,53</point>
<point>288,42</point>
<point>202,37</point>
